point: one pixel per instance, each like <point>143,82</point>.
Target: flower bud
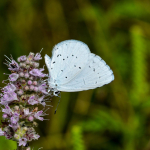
<point>29,82</point>
<point>26,88</point>
<point>21,74</point>
<point>31,78</point>
<point>26,75</point>
<point>36,65</point>
<point>23,81</point>
<point>22,65</point>
<point>34,83</point>
<point>27,62</point>
<point>16,136</point>
<point>28,66</point>
<point>31,63</point>
<point>22,58</point>
<point>30,118</point>
<point>20,92</point>
<point>31,87</point>
<point>16,108</point>
<point>25,128</point>
<point>5,116</point>
<point>31,56</point>
<point>36,89</point>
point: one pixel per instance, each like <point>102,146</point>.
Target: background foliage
<point>113,117</point>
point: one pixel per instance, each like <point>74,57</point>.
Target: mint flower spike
<point>20,98</point>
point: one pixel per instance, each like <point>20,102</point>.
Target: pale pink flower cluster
<point>21,97</point>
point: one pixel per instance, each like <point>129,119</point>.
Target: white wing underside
<point>74,68</point>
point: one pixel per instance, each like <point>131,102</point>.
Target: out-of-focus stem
<point>22,148</point>
<point>19,147</point>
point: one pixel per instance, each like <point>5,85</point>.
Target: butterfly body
<point>74,68</point>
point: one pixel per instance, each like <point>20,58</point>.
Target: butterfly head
<point>53,86</point>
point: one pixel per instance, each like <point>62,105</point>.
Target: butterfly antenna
<point>58,103</point>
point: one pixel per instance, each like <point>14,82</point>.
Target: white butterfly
<point>74,68</point>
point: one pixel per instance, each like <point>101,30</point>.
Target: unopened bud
<point>31,78</point>
<point>27,62</point>
<point>22,65</point>
<point>5,116</point>
<point>36,89</point>
<point>28,66</point>
<point>16,136</point>
<point>31,63</point>
<point>29,82</point>
<point>26,75</point>
<point>21,74</point>
<point>34,83</point>
<point>25,128</point>
<point>26,88</point>
<point>31,87</point>
<point>30,118</point>
<point>36,65</point>
<point>16,108</point>
<point>20,92</point>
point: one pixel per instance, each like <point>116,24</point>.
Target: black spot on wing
<point>58,55</point>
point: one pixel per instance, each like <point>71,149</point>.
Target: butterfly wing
<point>48,62</point>
<point>95,74</point>
<point>74,68</point>
<point>68,60</point>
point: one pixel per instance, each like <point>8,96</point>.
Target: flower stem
<point>22,148</point>
<point>19,147</point>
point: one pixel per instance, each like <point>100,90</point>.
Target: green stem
<point>19,147</point>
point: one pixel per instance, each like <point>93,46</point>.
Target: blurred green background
<point>113,117</point>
